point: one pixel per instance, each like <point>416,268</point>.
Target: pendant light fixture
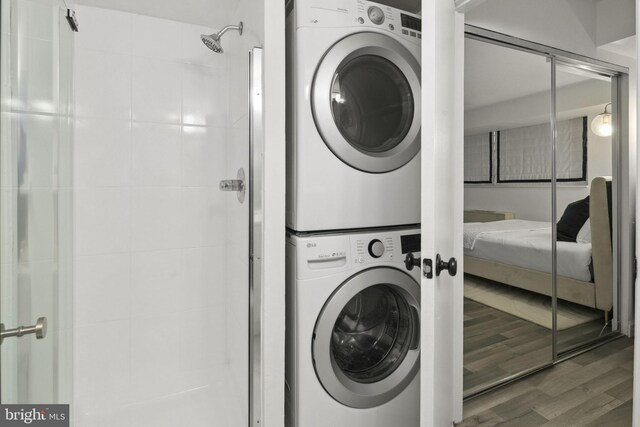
<point>601,124</point>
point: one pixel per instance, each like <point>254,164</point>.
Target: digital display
<point>411,23</point>
<point>410,243</point>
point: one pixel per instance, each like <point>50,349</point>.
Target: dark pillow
<point>572,220</point>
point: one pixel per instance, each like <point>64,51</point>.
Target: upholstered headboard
<point>601,245</point>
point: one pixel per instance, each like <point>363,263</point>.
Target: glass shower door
<point>35,204</point>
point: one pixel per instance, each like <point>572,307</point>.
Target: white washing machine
<point>354,115</point>
<point>353,329</point>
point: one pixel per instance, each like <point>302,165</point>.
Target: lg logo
<point>311,245</point>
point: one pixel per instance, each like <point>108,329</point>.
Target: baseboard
<point>629,329</point>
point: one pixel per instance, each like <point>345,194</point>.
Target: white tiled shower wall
<point>152,308</point>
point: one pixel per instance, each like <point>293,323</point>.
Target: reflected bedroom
<point>539,210</point>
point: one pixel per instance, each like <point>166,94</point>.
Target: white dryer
<point>354,115</point>
<point>353,330</point>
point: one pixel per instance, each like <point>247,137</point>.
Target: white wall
<point>151,295</point>
<point>615,20</point>
<point>565,24</point>
<point>203,12</point>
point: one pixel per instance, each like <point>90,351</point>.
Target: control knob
<point>376,248</point>
<point>376,15</point>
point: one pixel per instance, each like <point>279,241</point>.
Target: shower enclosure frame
<point>256,150</point>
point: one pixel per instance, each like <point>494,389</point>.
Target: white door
<point>442,207</point>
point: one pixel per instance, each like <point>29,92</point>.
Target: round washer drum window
<point>366,341</point>
<point>372,103</point>
<point>372,334</point>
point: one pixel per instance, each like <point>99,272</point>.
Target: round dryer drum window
<point>372,104</point>
<point>366,339</point>
<point>366,102</point>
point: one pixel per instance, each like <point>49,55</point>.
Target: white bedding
<point>526,244</point>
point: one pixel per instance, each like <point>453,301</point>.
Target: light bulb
<point>601,124</point>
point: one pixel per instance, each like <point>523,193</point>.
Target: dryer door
<point>366,339</point>
<point>366,102</point>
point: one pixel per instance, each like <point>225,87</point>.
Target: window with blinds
<point>478,159</point>
<point>525,153</point>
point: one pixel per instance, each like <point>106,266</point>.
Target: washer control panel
<point>383,246</point>
<point>327,254</point>
<point>369,248</point>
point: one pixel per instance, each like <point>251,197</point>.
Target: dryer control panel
<point>389,18</point>
<point>359,14</point>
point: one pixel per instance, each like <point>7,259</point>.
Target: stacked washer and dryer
<point>353,213</point>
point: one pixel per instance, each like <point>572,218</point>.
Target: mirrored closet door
<point>508,209</point>
<point>585,206</point>
<point>540,232</point>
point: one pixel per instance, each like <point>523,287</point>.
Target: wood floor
<point>497,344</point>
<point>593,389</point>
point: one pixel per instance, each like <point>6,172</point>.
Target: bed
<point>518,253</point>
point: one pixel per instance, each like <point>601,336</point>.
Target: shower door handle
<point>238,185</point>
<point>40,329</point>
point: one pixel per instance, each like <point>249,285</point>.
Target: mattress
<point>526,244</point>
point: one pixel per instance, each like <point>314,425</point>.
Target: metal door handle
<point>411,261</point>
<point>451,266</point>
<point>40,329</point>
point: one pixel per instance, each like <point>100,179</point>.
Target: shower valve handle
<point>238,185</point>
<point>231,185</point>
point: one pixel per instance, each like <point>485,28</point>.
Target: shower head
<point>212,41</point>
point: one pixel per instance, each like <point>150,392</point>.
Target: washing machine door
<point>366,339</point>
<point>366,102</point>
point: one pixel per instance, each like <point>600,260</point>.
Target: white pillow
<point>584,235</point>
